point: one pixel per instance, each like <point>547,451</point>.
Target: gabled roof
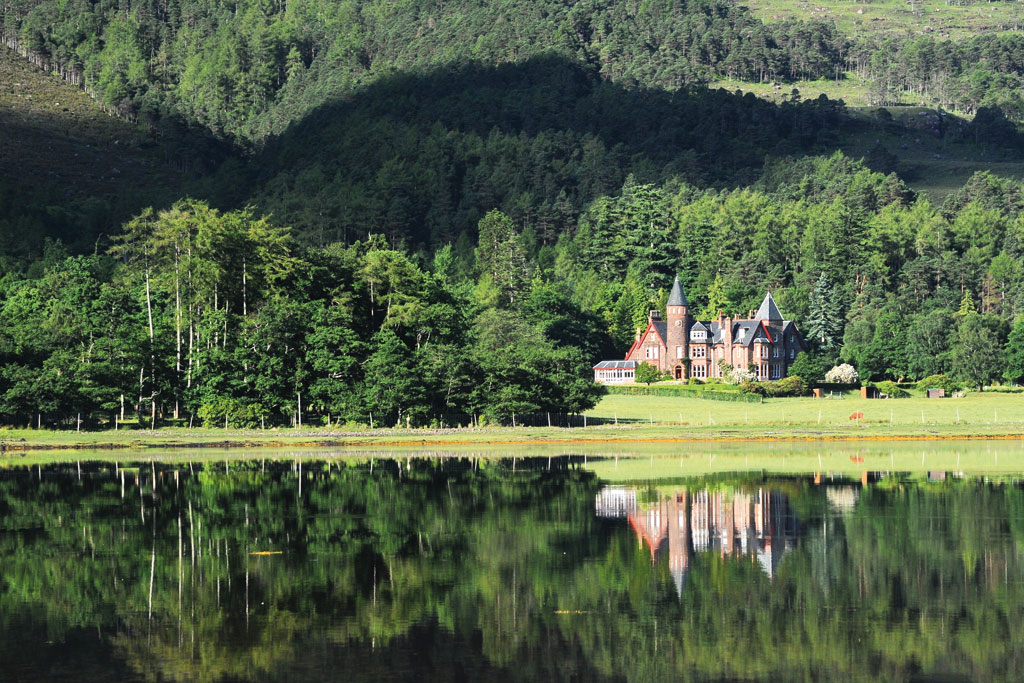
<point>660,328</point>
<point>768,309</point>
<point>677,297</point>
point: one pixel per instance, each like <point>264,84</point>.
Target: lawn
<point>641,420</point>
<point>921,415</point>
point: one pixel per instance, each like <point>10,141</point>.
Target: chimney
<point>727,333</point>
<point>638,334</point>
<point>655,315</point>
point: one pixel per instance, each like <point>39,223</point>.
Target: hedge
<point>684,391</point>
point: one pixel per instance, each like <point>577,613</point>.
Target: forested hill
<point>71,172</point>
<point>247,69</point>
<point>422,157</point>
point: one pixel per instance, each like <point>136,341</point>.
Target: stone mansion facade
<point>766,344</point>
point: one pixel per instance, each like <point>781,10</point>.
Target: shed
<point>936,393</point>
<point>869,392</point>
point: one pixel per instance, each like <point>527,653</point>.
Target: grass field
<point>921,415</point>
<point>644,420</point>
<point>937,18</point>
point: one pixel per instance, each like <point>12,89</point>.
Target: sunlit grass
<point>975,410</point>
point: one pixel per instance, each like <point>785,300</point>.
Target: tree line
<point>874,274</point>
<point>198,316</point>
<point>223,318</point>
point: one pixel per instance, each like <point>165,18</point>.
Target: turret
<point>677,312</point>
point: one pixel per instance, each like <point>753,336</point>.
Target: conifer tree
<point>824,322</point>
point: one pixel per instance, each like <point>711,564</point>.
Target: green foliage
<point>892,390</point>
<point>232,413</point>
<point>710,392</point>
<point>977,354</point>
<point>824,320</point>
<point>647,374</point>
<point>946,382</point>
<point>1015,353</point>
<point>790,386</point>
<point>810,366</point>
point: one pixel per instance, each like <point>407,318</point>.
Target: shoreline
<point>24,441</point>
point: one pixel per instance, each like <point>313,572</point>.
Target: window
<point>764,352</point>
<point>679,352</point>
<point>792,354</point>
<point>698,334</point>
<point>699,352</point>
<point>790,339</point>
<point>652,352</point>
<point>700,371</point>
<point>775,352</point>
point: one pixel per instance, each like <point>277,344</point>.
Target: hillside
<point>70,170</point>
<point>937,18</point>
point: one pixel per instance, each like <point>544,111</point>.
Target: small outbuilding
<point>935,393</point>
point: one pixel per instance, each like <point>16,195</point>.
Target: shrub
<point>842,374</point>
<point>794,385</point>
<point>940,382</point>
<point>892,390</point>
<point>646,374</point>
<point>231,411</point>
<point>810,366</point>
<point>754,388</point>
<point>741,375</point>
<point>694,381</point>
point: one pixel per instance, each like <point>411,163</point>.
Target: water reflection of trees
<point>510,574</point>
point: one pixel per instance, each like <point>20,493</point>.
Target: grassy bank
<point>641,419</point>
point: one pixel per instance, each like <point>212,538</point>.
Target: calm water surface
<point>535,569</point>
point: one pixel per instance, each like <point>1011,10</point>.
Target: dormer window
<point>700,335</point>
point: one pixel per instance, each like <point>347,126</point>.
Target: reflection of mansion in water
<point>756,524</point>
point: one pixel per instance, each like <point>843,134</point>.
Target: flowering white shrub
<point>741,375</point>
<point>842,374</point>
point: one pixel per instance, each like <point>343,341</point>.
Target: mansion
<point>765,343</point>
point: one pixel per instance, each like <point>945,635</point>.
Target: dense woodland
<point>248,69</point>
<point>391,226</point>
<point>224,319</point>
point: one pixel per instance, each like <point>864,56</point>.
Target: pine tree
<point>966,305</point>
<point>824,323</point>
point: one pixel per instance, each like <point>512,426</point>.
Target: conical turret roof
<point>768,309</point>
<point>677,297</point>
